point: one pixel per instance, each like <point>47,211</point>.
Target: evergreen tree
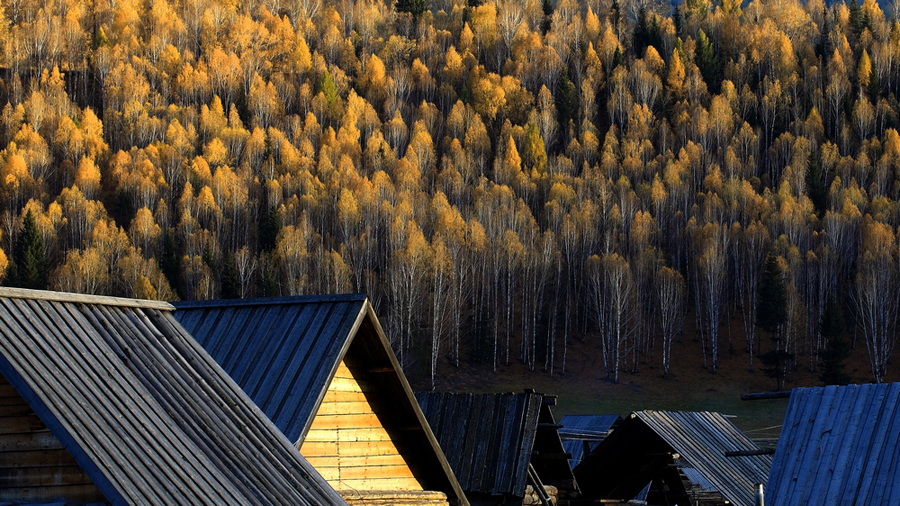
<point>566,101</point>
<point>816,187</point>
<point>708,63</point>
<point>30,266</point>
<point>270,225</point>
<point>414,7</point>
<point>836,345</point>
<point>771,314</point>
<point>170,265</point>
<point>231,286</point>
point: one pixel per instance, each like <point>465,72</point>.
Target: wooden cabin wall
<point>347,441</point>
<point>34,466</point>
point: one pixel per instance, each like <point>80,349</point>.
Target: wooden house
<point>689,458</point>
<point>108,400</point>
<point>504,448</point>
<point>838,445</point>
<point>322,369</point>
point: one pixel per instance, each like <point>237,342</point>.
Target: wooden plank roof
<point>839,445</point>
<point>635,452</point>
<point>490,439</point>
<point>285,352</point>
<point>142,408</point>
<point>581,434</point>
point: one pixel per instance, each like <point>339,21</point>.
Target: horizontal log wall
<point>34,466</point>
<point>348,443</point>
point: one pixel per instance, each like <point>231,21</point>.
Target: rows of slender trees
<point>501,177</point>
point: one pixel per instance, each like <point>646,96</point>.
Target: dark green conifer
<point>30,266</point>
<point>836,345</point>
<point>771,314</point>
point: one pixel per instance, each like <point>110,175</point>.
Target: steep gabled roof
<point>839,445</point>
<point>144,411</point>
<point>492,439</point>
<point>285,352</point>
<point>646,442</point>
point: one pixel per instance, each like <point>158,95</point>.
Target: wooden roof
<point>491,439</point>
<point>644,445</point>
<point>839,445</point>
<point>581,434</point>
<point>285,352</point>
<point>142,408</point>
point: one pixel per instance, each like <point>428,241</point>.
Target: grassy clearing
<point>585,390</point>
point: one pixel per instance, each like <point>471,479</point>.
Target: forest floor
<point>584,389</point>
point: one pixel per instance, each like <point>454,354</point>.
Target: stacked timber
<point>394,497</point>
<point>533,498</point>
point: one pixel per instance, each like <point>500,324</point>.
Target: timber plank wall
<point>347,442</point>
<point>34,466</point>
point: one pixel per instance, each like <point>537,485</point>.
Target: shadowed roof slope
<point>492,439</point>
<point>285,352</point>
<point>839,445</point>
<point>641,447</point>
<point>144,411</point>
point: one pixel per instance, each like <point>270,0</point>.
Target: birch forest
<point>501,177</point>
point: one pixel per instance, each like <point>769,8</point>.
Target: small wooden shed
<point>504,448</point>
<point>322,369</point>
<point>109,400</point>
<point>689,457</point>
<point>838,445</point>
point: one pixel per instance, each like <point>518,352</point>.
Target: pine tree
<point>30,266</point>
<point>414,7</point>
<point>816,187</point>
<point>771,314</point>
<point>836,348</point>
<point>566,101</point>
<point>270,225</point>
<point>708,63</point>
<point>231,286</point>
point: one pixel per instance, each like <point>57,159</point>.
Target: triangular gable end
<point>368,433</point>
<point>34,465</point>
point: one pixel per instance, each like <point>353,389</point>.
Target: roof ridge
<point>105,300</point>
<point>271,301</point>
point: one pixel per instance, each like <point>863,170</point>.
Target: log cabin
<point>322,369</point>
<point>504,448</point>
<point>109,400</point>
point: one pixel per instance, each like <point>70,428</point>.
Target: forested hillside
<point>501,177</point>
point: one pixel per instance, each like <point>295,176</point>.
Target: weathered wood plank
<point>351,408</point>
<point>36,458</point>
<point>376,484</point>
<point>354,421</point>
<point>21,293</point>
<point>351,385</point>
<point>343,461</point>
<point>15,410</point>
<point>335,396</point>
<point>73,493</point>
<point>348,435</point>
<point>20,424</point>
<point>7,390</point>
<point>33,441</point>
<point>347,448</point>
<point>43,476</point>
<point>365,473</point>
